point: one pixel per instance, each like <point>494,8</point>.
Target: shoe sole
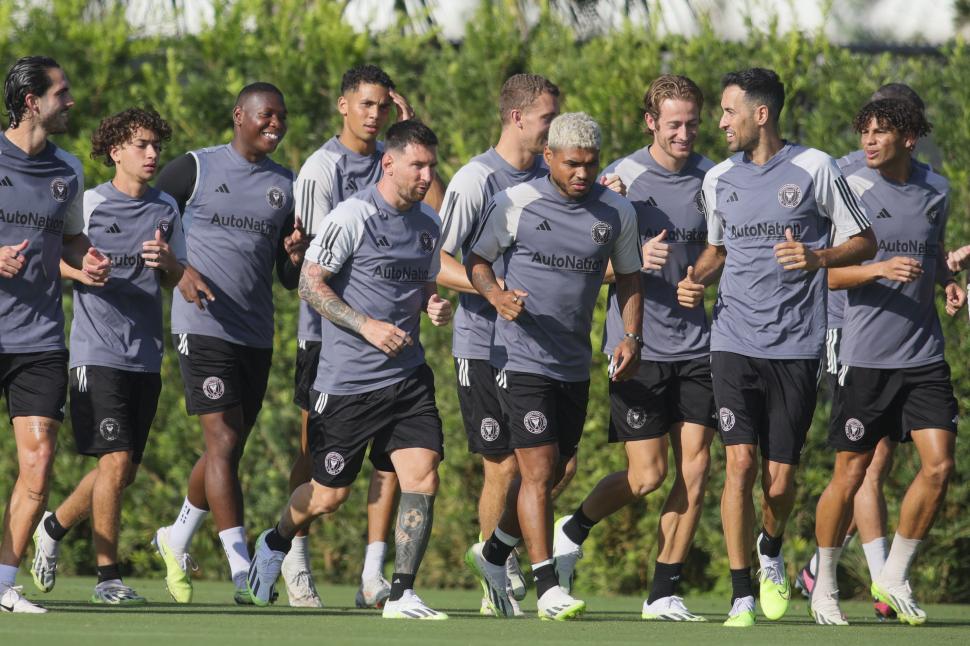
<point>747,623</point>
<point>693,619</point>
<point>886,599</point>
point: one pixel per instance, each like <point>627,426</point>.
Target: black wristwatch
<point>635,337</point>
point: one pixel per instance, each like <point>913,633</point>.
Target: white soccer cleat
<point>517,587</point>
<point>410,606</point>
<point>11,600</point>
<point>668,609</point>
<point>116,593</point>
<point>566,554</point>
<point>264,570</point>
<point>494,582</point>
<point>300,587</point>
<point>825,610</point>
<point>900,598</point>
<point>373,593</point>
<point>556,604</point>
<point>44,567</point>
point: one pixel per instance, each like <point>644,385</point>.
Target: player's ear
<point>342,105</point>
<point>237,115</point>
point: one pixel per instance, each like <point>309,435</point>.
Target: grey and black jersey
<point>556,250</point>
<point>40,202</point>
<point>670,201</point>
<point>889,324</point>
<point>382,261</point>
<point>328,177</point>
<point>119,325</point>
<point>234,222</point>
<point>763,310</point>
<point>469,191</point>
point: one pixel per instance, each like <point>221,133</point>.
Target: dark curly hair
<point>903,116</point>
<point>118,129</point>
<point>364,74</point>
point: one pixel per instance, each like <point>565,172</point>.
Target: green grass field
<point>214,620</point>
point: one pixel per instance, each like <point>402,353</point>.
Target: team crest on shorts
<point>535,422</point>
<point>213,387</point>
<point>427,242</point>
<point>699,202</point>
<point>333,462</point>
<point>727,419</point>
<point>636,417</point>
<point>601,232</point>
<point>854,429</point>
<point>490,429</point>
<point>109,429</point>
<point>276,197</point>
<point>790,195</point>
<point>59,189</point>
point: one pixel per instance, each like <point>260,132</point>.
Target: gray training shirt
<point>40,201</point>
<point>671,201</point>
<point>469,191</point>
<point>120,325</point>
<point>328,177</point>
<point>233,222</point>
<point>556,249</point>
<point>762,309</point>
<point>889,324</point>
<point>382,260</point>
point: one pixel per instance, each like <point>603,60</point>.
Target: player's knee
<point>326,500</point>
<point>742,465</point>
<point>115,468</point>
<point>502,471</point>
<point>643,481</point>
<point>938,472</point>
<point>694,474</point>
<point>36,464</point>
<point>779,490</point>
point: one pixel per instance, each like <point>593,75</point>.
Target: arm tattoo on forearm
<point>414,516</point>
<point>315,291</point>
<point>483,279</point>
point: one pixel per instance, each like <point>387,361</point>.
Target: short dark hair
<point>521,90</point>
<point>761,86</point>
<point>27,76</point>
<point>118,129</point>
<point>407,132</point>
<point>259,87</point>
<point>898,91</point>
<point>899,114</point>
<point>363,74</point>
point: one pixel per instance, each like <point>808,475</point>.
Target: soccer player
<point>41,223</point>
<point>671,394</point>
<point>116,342</point>
<point>345,164</point>
<point>556,234</point>
<point>894,380</point>
<point>237,213</point>
<point>370,273</point>
<point>767,207</point>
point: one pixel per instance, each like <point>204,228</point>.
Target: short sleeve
<point>837,202</point>
<point>715,225</point>
<point>340,237</point>
<point>460,211</point>
<point>627,256</point>
<point>497,231</point>
<point>314,192</point>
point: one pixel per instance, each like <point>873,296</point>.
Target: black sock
<point>545,576</point>
<point>400,583</point>
<point>108,572</point>
<point>495,551</point>
<point>277,542</point>
<point>54,529</point>
<point>666,576</point>
<point>769,545</point>
<point>741,584</point>
<point>577,528</point>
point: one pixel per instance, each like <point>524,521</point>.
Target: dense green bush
<point>304,48</point>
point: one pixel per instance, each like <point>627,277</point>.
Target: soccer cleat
<point>516,578</point>
<point>240,594</point>
<point>177,566</point>
<point>900,599</point>
<point>410,606</point>
<point>826,611</point>
<point>557,605</point>
<point>775,587</point>
<point>373,593</point>
<point>566,554</point>
<point>668,609</point>
<point>805,582</point>
<point>116,593</point>
<point>11,600</point>
<point>493,579</point>
<point>264,569</point>
<point>300,588</point>
<point>883,611</point>
<point>44,568</point>
<point>486,610</point>
<point>742,613</point>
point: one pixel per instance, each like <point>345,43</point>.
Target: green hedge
<point>304,48</point>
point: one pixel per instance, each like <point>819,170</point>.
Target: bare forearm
<point>453,275</point>
<point>317,293</point>
<point>709,264</point>
<point>856,276</point>
<point>74,249</point>
<point>171,278</point>
<point>630,299</point>
<point>855,250</point>
<point>483,277</point>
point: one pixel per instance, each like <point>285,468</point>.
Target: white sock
<point>825,579</point>
<point>234,543</point>
<point>875,556</point>
<point>896,569</point>
<point>374,561</point>
<point>506,538</point>
<point>8,575</point>
<point>298,553</point>
<point>813,564</point>
<point>183,529</point>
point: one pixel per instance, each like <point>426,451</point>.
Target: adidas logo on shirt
<point>6,181</point>
<point>222,189</point>
<point>544,226</point>
<point>883,214</point>
<point>651,202</point>
<point>733,197</point>
<point>382,242</point>
<point>114,228</point>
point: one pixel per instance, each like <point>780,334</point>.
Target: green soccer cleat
<point>43,569</point>
<point>775,588</point>
<point>900,598</point>
<point>557,605</point>
<point>742,613</point>
<point>177,579</point>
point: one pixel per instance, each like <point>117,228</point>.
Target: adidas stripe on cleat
<point>43,569</point>
<point>493,579</point>
<point>900,599</point>
<point>557,605</point>
<point>566,554</point>
<point>410,606</point>
<point>264,570</point>
<point>116,593</point>
<point>668,609</point>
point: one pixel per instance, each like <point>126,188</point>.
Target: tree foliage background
<point>304,47</point>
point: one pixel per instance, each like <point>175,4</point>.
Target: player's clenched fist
<point>96,266</point>
<point>901,269</point>
<point>386,337</point>
<point>958,259</point>
<point>510,303</point>
<point>956,298</point>
<point>690,293</point>
<point>12,259</point>
<point>439,310</point>
<point>194,288</point>
<point>792,254</point>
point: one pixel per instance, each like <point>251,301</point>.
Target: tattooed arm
<point>508,303</point>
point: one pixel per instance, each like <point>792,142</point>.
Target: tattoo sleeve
<point>414,518</point>
<point>482,276</point>
<point>315,291</point>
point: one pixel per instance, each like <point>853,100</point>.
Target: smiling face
<point>573,170</point>
<point>260,124</point>
<point>675,129</point>
<point>740,119</point>
<point>137,158</point>
<point>365,110</point>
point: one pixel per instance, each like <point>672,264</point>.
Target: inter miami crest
<point>535,422</point>
<point>490,429</point>
<point>854,429</point>
<point>727,419</point>
<point>601,233</point>
<point>213,387</point>
<point>276,197</point>
<point>790,195</point>
<point>699,202</point>
<point>59,189</point>
<point>636,417</point>
<point>164,226</point>
<point>427,242</point>
<point>109,429</point>
<point>333,462</point>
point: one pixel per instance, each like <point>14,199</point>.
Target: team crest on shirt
<point>933,214</point>
<point>790,195</point>
<point>164,226</point>
<point>535,422</point>
<point>636,417</point>
<point>109,429</point>
<point>59,189</point>
<point>213,387</point>
<point>490,429</point>
<point>601,232</point>
<point>854,429</point>
<point>727,419</point>
<point>276,197</point>
<point>334,463</point>
<point>699,202</point>
<point>427,241</point>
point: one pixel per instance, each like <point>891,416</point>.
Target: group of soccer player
<point>527,234</point>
